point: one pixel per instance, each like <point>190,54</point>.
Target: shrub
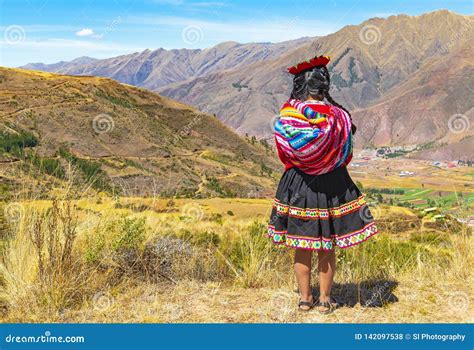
<point>48,166</point>
<point>161,255</point>
<point>115,100</point>
<point>95,246</point>
<point>15,142</point>
<point>200,238</point>
<point>217,217</point>
<point>130,234</point>
<point>91,170</point>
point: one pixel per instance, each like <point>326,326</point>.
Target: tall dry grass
<point>42,272</point>
<point>63,258</point>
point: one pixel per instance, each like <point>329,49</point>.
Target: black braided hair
<point>312,82</point>
<point>334,103</point>
<point>315,83</point>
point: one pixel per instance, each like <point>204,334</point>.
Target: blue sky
<point>51,30</point>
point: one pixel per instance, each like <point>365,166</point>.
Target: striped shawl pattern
<point>313,136</point>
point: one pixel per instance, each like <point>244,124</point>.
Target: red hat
<point>311,63</point>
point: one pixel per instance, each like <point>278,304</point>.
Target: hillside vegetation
<point>120,139</point>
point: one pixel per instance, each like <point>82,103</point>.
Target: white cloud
<point>85,32</point>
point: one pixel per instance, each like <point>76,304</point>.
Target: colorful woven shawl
<point>313,136</point>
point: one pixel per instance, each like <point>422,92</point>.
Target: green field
<point>459,203</point>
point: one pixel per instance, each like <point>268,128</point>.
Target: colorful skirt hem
<point>320,212</point>
<point>308,243</point>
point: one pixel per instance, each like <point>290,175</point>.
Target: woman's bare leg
<point>326,268</point>
<point>303,273</point>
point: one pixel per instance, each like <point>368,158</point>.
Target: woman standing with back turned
<point>317,205</point>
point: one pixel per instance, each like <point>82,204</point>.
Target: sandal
<point>308,304</point>
<point>330,306</point>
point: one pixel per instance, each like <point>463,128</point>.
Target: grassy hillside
<point>119,139</point>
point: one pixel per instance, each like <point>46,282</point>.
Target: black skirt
<point>319,212</point>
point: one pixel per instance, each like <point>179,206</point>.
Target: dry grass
<point>148,260</point>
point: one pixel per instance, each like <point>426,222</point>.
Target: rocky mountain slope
<point>435,105</point>
<point>121,139</point>
<point>157,68</point>
<point>62,65</point>
<point>371,62</point>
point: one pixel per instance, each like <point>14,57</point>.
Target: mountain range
<point>406,79</point>
<point>155,69</point>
